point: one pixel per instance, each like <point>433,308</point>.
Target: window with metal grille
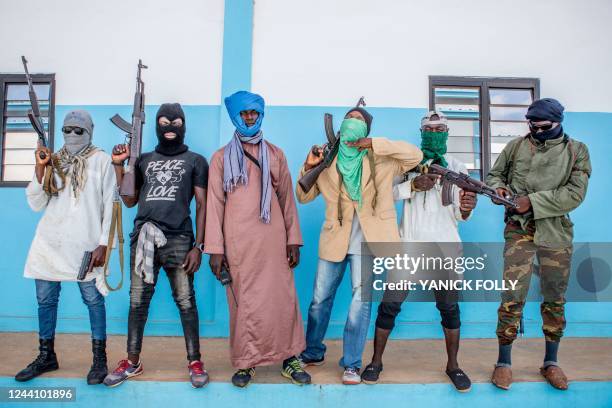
<point>484,115</point>
<point>17,137</point>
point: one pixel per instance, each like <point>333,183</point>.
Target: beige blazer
<point>379,224</point>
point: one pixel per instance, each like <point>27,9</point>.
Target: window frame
<point>7,79</point>
<point>484,84</point>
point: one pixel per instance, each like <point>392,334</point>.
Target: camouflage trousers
<point>554,269</point>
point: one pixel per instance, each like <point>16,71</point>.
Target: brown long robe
<point>266,327</point>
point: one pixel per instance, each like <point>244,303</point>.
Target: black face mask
<point>172,111</point>
<point>547,134</point>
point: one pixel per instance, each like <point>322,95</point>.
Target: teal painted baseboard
<point>222,395</point>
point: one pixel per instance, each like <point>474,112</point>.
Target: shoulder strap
<point>252,158</point>
<point>116,225</point>
<point>570,147</point>
<point>373,178</point>
<point>510,164</point>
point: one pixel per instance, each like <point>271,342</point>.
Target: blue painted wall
<point>294,129</point>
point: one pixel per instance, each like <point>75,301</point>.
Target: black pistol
<point>226,279</point>
<point>84,265</point>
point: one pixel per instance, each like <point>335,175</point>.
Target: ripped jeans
<point>170,257</point>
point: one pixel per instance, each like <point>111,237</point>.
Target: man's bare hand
<point>501,191</point>
<point>216,262</point>
<point>120,153</point>
<point>361,144</point>
<point>467,201</point>
<point>524,204</point>
<point>293,255</point>
<point>315,156</point>
<point>98,257</point>
<point>192,261</point>
<point>46,152</point>
<point>425,182</point>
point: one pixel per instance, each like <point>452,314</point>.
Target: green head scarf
<point>349,162</point>
<point>433,145</point>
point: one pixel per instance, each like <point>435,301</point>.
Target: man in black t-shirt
<point>166,180</point>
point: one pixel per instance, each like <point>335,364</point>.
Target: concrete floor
<point>406,361</point>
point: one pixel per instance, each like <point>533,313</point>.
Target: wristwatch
<point>200,246</point>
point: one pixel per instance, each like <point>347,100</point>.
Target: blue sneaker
<point>124,370</point>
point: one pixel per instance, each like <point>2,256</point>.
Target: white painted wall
<point>322,52</point>
<point>93,47</point>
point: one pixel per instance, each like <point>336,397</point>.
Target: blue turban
<point>243,101</point>
<point>546,109</point>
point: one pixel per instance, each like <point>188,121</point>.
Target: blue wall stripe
<point>237,56</point>
<point>295,129</point>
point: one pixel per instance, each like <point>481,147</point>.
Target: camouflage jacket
<point>554,175</point>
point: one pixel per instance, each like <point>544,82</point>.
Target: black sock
<point>505,355</point>
<point>286,361</point>
<point>551,352</point>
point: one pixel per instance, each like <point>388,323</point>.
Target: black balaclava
<point>546,109</point>
<point>176,146</point>
<point>366,115</point>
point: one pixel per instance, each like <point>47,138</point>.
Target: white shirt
<point>69,227</point>
<point>424,218</point>
<point>356,237</point>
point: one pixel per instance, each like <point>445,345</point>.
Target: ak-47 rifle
<point>133,137</point>
<point>34,113</point>
<point>330,150</point>
<point>464,182</point>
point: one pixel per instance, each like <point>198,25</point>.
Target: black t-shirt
<point>166,188</point>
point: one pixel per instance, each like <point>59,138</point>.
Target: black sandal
<point>460,380</point>
<point>370,374</point>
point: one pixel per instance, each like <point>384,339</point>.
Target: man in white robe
<point>77,200</point>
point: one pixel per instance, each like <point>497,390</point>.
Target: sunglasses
<point>69,129</point>
<point>543,127</point>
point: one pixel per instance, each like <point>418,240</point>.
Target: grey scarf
<point>234,169</point>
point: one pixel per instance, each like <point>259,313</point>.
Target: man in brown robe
<point>252,229</point>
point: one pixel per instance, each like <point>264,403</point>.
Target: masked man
<point>253,231</point>
<point>167,179</point>
<point>425,219</point>
<point>357,188</point>
<point>549,173</point>
<point>75,188</point>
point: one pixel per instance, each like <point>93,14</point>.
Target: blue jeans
<point>47,294</point>
<point>329,276</point>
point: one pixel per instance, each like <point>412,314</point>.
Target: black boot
<point>99,369</point>
<point>46,361</point>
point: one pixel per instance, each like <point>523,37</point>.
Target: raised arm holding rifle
<point>71,238</point>
<point>357,186</point>
<point>163,183</point>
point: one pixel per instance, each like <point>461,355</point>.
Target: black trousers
<point>170,257</point>
<point>389,309</point>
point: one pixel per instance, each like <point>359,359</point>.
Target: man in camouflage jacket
<point>549,173</point>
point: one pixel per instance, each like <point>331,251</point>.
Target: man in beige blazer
<point>358,192</point>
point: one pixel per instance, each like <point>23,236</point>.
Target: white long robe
<point>70,226</point>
